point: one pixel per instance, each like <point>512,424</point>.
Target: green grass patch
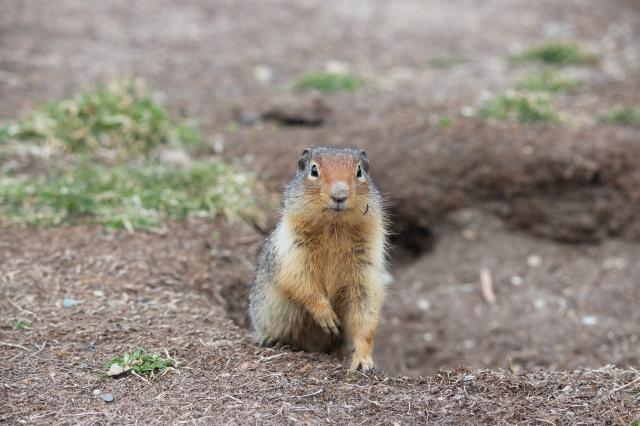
<point>130,196</point>
<point>523,108</point>
<point>447,61</point>
<point>444,122</point>
<point>328,82</point>
<point>623,116</point>
<point>120,120</point>
<point>548,81</point>
<point>558,54</point>
<point>20,325</point>
<point>140,362</point>
<point>88,159</point>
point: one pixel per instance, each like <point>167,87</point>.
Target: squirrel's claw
<point>330,323</point>
<point>364,364</point>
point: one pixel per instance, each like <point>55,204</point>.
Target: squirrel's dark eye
<point>314,171</point>
<point>359,172</point>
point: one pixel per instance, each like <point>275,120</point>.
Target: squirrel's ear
<point>304,158</point>
<point>364,161</point>
<point>365,164</point>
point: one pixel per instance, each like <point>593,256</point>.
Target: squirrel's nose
<point>339,191</point>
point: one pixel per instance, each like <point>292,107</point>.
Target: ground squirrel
<point>322,273</point>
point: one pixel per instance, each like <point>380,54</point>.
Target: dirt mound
<point>583,189</point>
<point>138,291</point>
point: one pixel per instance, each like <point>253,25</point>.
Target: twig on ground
<point>486,286</point>
<point>226,395</point>
<point>373,402</point>
<point>637,379</point>
<point>14,346</point>
<point>318,392</point>
<point>140,377</point>
<point>26,311</point>
<point>170,358</point>
<point>39,349</point>
<point>166,370</point>
<point>269,358</point>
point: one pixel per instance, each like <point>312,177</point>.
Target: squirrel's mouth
<point>338,206</point>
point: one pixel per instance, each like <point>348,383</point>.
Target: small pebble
<point>469,234</point>
<point>614,263</point>
<point>557,30</point>
<point>427,337</point>
<point>467,111</point>
<point>539,303</point>
<point>424,304</point>
<point>218,143</point>
<point>107,397</point>
<point>534,260</point>
<point>97,392</point>
<point>516,280</point>
<point>589,320</point>
<point>91,346</point>
<point>249,118</point>
<point>98,294</point>
<point>69,302</point>
<point>174,157</point>
<point>115,370</point>
<point>336,67</point>
<point>263,74</point>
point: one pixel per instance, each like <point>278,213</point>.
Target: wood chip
<point>486,286</point>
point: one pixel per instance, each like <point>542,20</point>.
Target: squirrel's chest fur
<point>333,253</point>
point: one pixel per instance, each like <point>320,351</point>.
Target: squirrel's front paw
<point>329,322</point>
<point>363,363</point>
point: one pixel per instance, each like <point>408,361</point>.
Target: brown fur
<point>333,267</point>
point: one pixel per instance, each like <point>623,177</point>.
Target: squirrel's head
<point>335,180</point>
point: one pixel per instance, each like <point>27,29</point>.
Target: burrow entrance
<point>553,233</point>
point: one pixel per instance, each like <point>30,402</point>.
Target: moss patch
<point>447,61</point>
<point>558,54</point>
<point>623,116</point>
<point>129,196</point>
<point>548,81</point>
<point>120,119</point>
<point>523,108</point>
<point>329,82</point>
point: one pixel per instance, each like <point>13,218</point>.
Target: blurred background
<point>505,133</point>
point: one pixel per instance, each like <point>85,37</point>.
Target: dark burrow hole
<point>409,243</point>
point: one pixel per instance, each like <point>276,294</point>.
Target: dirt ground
<point>550,212</point>
<point>145,290</point>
